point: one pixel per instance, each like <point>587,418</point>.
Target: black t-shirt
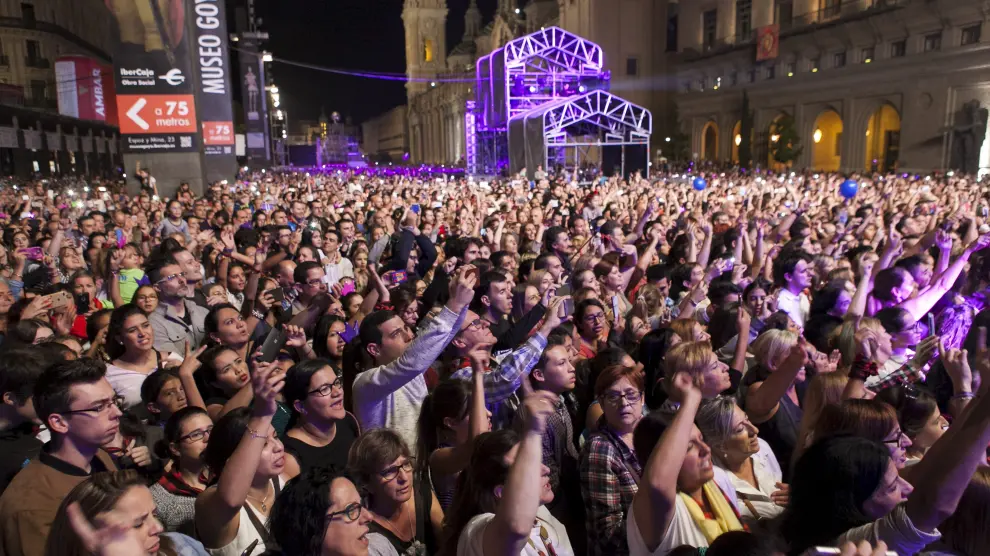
<point>334,453</point>
<point>18,446</point>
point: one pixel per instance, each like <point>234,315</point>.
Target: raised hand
<point>267,381</point>
<point>190,362</point>
<point>798,355</point>
<point>39,306</point>
<point>462,288</point>
<point>479,356</point>
<point>537,407</point>
<point>685,388</point>
<point>65,320</point>
<point>295,336</point>
<point>117,259</point>
<point>699,292</point>
<point>957,367</point>
<point>115,536</point>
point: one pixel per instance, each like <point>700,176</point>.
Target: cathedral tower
<point>426,42</point>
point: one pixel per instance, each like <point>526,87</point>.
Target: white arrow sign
<point>134,112</point>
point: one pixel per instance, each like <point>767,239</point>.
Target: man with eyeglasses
<point>390,388</point>
<point>78,404</point>
<point>176,320</point>
<point>505,373</point>
<point>310,281</point>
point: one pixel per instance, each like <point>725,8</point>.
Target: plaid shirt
<point>558,444</point>
<point>610,476</point>
<point>502,381</point>
<point>901,377</point>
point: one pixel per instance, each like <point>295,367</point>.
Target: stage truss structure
<point>557,75</point>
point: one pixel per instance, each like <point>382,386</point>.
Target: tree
<point>788,147</point>
<point>746,133</point>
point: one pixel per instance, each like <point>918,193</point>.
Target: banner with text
<point>154,79</point>
<point>211,60</point>
<point>255,99</point>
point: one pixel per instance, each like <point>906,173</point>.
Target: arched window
<point>428,50</point>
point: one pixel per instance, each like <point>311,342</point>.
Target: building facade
<point>868,84</point>
<point>34,138</point>
<point>385,139</point>
<point>35,33</point>
<point>631,32</point>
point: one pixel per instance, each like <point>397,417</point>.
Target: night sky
<point>362,35</point>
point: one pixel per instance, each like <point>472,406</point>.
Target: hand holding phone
<point>273,344</point>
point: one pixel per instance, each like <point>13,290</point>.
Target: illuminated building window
<point>867,54</point>
<point>933,42</point>
<point>428,50</point>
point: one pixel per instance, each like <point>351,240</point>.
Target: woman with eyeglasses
<point>146,298</point>
<point>321,513</point>
<point>133,356</point>
<point>406,515</point>
<point>610,471</point>
<point>186,434</point>
<point>919,417</point>
<point>323,431</point>
<point>592,326</point>
<point>873,420</point>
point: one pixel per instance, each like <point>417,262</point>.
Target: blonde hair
<point>684,328</point>
<point>651,296</point>
<point>772,346</point>
<point>823,390</point>
<point>847,337</point>
<point>536,278</point>
<point>693,358</point>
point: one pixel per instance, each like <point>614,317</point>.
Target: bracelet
<point>863,368</point>
<point>963,396</point>
<point>256,434</point>
<point>257,314</point>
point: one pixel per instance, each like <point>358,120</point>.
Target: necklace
<point>264,506</point>
<point>409,526</point>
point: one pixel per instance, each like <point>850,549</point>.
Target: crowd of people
<point>332,363</point>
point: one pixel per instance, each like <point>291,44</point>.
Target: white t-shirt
<point>682,529</point>
<point>768,474</point>
<point>798,307</point>
<point>472,538</point>
<point>127,383</point>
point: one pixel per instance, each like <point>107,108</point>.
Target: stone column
<point>725,31</point>
<point>763,13</point>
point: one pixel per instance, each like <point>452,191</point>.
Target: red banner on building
<point>85,89</point>
<point>767,42</point>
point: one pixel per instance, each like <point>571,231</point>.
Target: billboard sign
<point>255,99</point>
<point>85,89</point>
<point>211,61</point>
<point>154,79</point>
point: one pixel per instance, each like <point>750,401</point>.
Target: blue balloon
<point>849,188</point>
<point>700,183</point>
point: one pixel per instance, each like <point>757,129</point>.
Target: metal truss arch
<point>620,120</point>
<point>558,47</point>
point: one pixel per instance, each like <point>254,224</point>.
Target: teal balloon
<point>700,183</point>
<point>849,188</point>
